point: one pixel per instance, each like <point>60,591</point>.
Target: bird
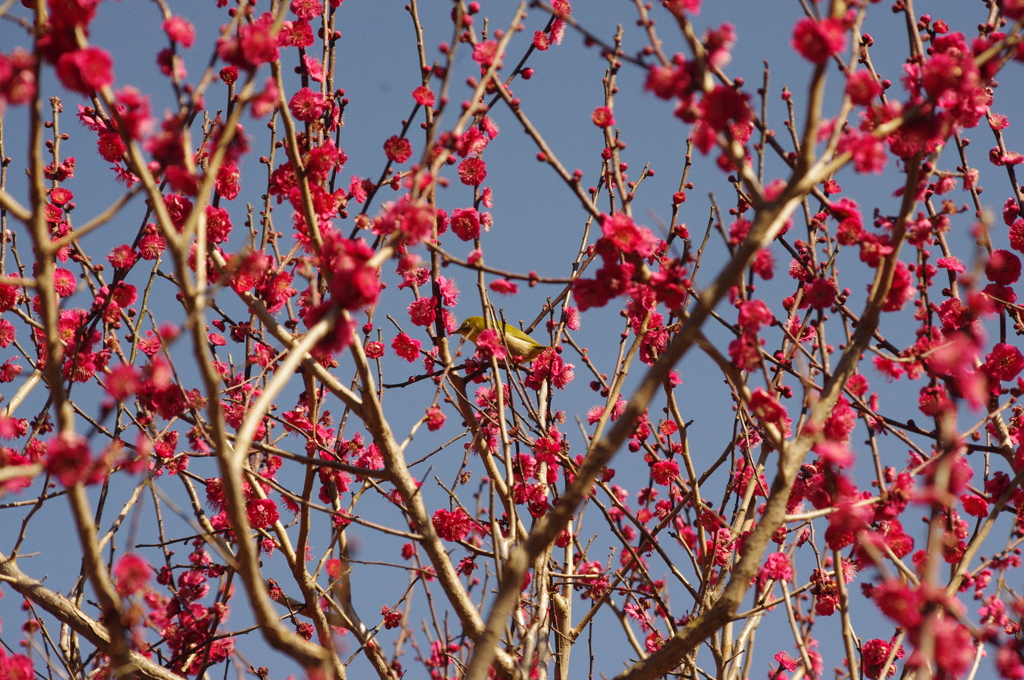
<point>518,343</point>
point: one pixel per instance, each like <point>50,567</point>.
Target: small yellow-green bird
<point>519,343</point>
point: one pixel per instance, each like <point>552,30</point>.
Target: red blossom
<point>901,290</point>
<point>465,223</point>
<point>1012,9</point>
<point>489,344</point>
<point>449,291</point>
<point>15,667</point>
<point>151,245</point>
<point>549,365</point>
<point>406,347</point>
<point>765,407</point>
<point>218,224</point>
<point>307,10</point>
<point>624,234</point>
<point>846,522</point>
<point>504,286</point>
<point>434,418</point>
<point>1004,362</point>
<point>485,52</point>
<point>723,106</point>
<point>352,283</point>
<point>868,152</point>
<point>777,568</point>
<point>951,263</point>
<point>786,661</point>
<point>413,218</point>
<point>745,352</point>
<point>262,513</point>
<point>307,105</point>
<point>1003,268</point>
<point>86,70</point>
<point>6,333</point>
<point>472,172</point>
<point>423,96</point>
<point>180,30</point>
<point>820,293</point>
<point>862,87</point>
<point>132,573</point>
<point>121,382</point>
<point>18,84</point>
<point>392,619</point>
<point>975,506</point>
<point>122,257</point>
<point>227,183</point>
<point>602,117</point>
<point>664,472</point>
<point>267,101</point>
<point>68,459</point>
<point>397,149</point>
<point>816,41</point>
<point>667,82</point>
<point>256,44</point>
<point>295,34</point>
<point>472,142</point>
<point>64,282</point>
<point>422,312</point>
<point>452,526</point>
<point>874,654</point>
<point>111,146</point>
<point>754,314</point>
